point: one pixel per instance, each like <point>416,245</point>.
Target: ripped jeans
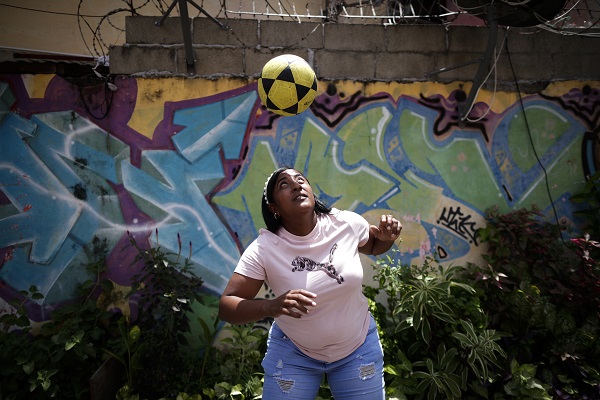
<point>290,374</point>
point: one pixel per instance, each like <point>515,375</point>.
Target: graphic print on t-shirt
<point>306,264</point>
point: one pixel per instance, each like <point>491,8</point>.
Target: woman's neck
<point>301,226</point>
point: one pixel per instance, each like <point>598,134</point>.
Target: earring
<point>275,215</point>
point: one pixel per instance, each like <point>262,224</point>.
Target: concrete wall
<point>398,53</point>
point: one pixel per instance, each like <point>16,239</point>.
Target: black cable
<point>108,99</point>
<point>49,12</point>
<point>532,144</point>
<point>79,18</point>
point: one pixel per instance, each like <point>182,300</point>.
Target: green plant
<point>19,352</point>
<point>523,384</point>
<point>439,376</point>
<point>155,347</point>
<point>57,358</point>
<point>433,331</point>
<point>209,338</point>
<point>589,201</point>
<point>546,294</point>
<point>236,370</point>
<point>124,347</point>
<point>481,347</point>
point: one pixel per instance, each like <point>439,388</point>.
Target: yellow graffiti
<point>152,94</point>
<point>36,85</point>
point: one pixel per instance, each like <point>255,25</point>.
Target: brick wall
<point>402,53</point>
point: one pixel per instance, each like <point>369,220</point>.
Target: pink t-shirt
<point>325,262</point>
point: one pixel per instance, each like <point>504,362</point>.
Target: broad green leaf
<point>426,330</point>
<point>454,388</point>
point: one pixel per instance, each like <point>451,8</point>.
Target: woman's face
<point>292,194</point>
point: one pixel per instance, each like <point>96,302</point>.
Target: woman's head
<point>275,187</point>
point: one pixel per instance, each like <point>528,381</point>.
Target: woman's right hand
<point>238,304</point>
<point>293,303</point>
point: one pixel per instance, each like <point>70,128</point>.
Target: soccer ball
<point>287,85</point>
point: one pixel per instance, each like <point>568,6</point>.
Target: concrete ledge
<point>237,32</point>
<point>468,39</point>
<point>529,67</point>
<point>126,60</point>
<point>353,51</point>
<point>345,65</point>
<point>369,38</point>
<point>402,66</point>
<point>257,58</point>
<point>214,61</point>
<point>413,37</point>
<point>451,66</point>
<point>584,66</point>
<point>291,35</point>
<point>143,30</point>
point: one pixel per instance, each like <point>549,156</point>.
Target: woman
<point>309,258</point>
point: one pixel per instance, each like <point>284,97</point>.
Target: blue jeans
<point>290,374</point>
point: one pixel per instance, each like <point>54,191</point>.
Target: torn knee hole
<point>284,384</point>
<point>367,371</point>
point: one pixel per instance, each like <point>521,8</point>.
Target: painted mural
<point>83,167</point>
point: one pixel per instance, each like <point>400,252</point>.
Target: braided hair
<point>273,224</point>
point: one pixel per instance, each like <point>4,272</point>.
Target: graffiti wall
<point>83,167</point>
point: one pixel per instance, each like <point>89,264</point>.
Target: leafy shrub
<point>589,202</point>
<point>59,357</point>
<point>154,347</point>
<point>235,367</point>
<point>546,295</point>
<point>433,331</point>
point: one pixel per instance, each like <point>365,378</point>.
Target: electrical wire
<point>106,104</point>
<point>96,32</point>
<point>495,70</point>
<point>550,25</point>
<point>528,129</point>
<point>572,33</point>
<point>48,12</point>
<point>79,18</point>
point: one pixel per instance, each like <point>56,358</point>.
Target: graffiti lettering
<point>458,222</point>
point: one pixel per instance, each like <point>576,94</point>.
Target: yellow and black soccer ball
<point>287,85</point>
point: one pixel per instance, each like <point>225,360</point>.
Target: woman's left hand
<point>389,228</point>
<point>383,236</point>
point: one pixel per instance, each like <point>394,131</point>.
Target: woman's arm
<point>238,305</point>
<point>382,237</point>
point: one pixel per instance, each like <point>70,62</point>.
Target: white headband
<point>267,184</point>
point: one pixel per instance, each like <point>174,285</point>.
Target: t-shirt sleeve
<point>359,225</point>
<point>250,263</point>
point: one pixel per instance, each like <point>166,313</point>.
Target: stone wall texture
<point>396,53</point>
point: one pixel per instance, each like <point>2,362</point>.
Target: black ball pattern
<point>301,90</point>
<point>287,85</point>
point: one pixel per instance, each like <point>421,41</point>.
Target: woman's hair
<point>273,224</point>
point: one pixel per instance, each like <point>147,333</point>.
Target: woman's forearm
<point>238,311</point>
<point>381,246</point>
